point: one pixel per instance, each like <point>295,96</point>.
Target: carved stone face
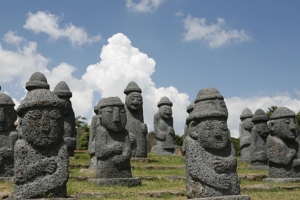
<point>285,128</point>
<point>262,129</point>
<point>113,118</point>
<point>42,126</point>
<point>134,101</point>
<point>165,111</point>
<point>213,134</point>
<point>248,124</point>
<point>8,116</point>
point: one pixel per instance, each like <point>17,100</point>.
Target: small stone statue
<point>93,131</point>
<point>210,155</point>
<point>283,145</point>
<point>246,125</point>
<point>112,146</point>
<point>135,120</point>
<point>259,134</point>
<point>8,135</point>
<point>41,155</point>
<point>189,109</point>
<point>63,92</point>
<point>163,129</point>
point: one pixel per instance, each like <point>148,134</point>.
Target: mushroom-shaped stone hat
<point>282,112</point>
<point>132,87</point>
<point>37,81</point>
<point>246,113</point>
<point>6,100</point>
<point>209,103</point>
<point>110,101</point>
<point>38,99</point>
<point>164,101</point>
<point>62,90</point>
<point>260,115</point>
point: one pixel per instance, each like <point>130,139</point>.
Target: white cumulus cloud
<point>121,63</point>
<point>143,5</point>
<point>236,105</point>
<point>22,63</point>
<point>214,35</point>
<point>48,23</point>
<point>11,37</point>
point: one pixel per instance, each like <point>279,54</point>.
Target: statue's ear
<point>271,126</point>
<point>192,130</point>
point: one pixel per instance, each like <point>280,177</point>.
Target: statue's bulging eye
<point>223,126</point>
<point>35,114</point>
<point>109,110</point>
<point>122,111</point>
<point>55,114</point>
<point>208,125</point>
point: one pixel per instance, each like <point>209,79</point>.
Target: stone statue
<point>63,92</point>
<point>283,145</point>
<point>41,155</point>
<point>8,135</point>
<point>189,109</point>
<point>259,134</point>
<point>210,155</point>
<point>93,130</point>
<point>135,120</point>
<point>163,128</point>
<point>246,125</point>
<point>112,146</point>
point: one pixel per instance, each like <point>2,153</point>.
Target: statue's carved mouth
<point>219,138</point>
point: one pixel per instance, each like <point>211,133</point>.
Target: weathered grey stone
<point>62,90</point>
<point>246,125</point>
<point>259,134</point>
<point>189,109</point>
<point>135,120</point>
<point>41,155</point>
<point>151,141</point>
<point>93,130</point>
<point>210,155</point>
<point>283,144</point>
<point>163,129</point>
<point>8,135</point>
<point>112,144</point>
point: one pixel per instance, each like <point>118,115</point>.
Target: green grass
<point>160,182</point>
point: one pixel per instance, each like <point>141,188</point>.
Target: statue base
<point>282,180</point>
<point>129,182</point>
<point>230,197</point>
<point>165,150</point>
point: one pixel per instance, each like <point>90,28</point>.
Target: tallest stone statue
<point>135,120</point>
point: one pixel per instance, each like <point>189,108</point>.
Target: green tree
<point>178,140</point>
<point>84,139</point>
<point>236,145</point>
<point>270,111</point>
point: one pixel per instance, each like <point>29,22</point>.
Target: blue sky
<point>248,50</point>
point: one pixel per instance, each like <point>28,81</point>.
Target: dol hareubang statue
<point>259,134</point>
<point>63,92</point>
<point>163,128</point>
<point>246,125</point>
<point>135,120</point>
<point>41,155</point>
<point>283,144</point>
<point>8,135</point>
<point>210,155</point>
<point>112,146</point>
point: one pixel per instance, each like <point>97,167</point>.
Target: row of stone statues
<point>272,142</point>
<point>40,150</point>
